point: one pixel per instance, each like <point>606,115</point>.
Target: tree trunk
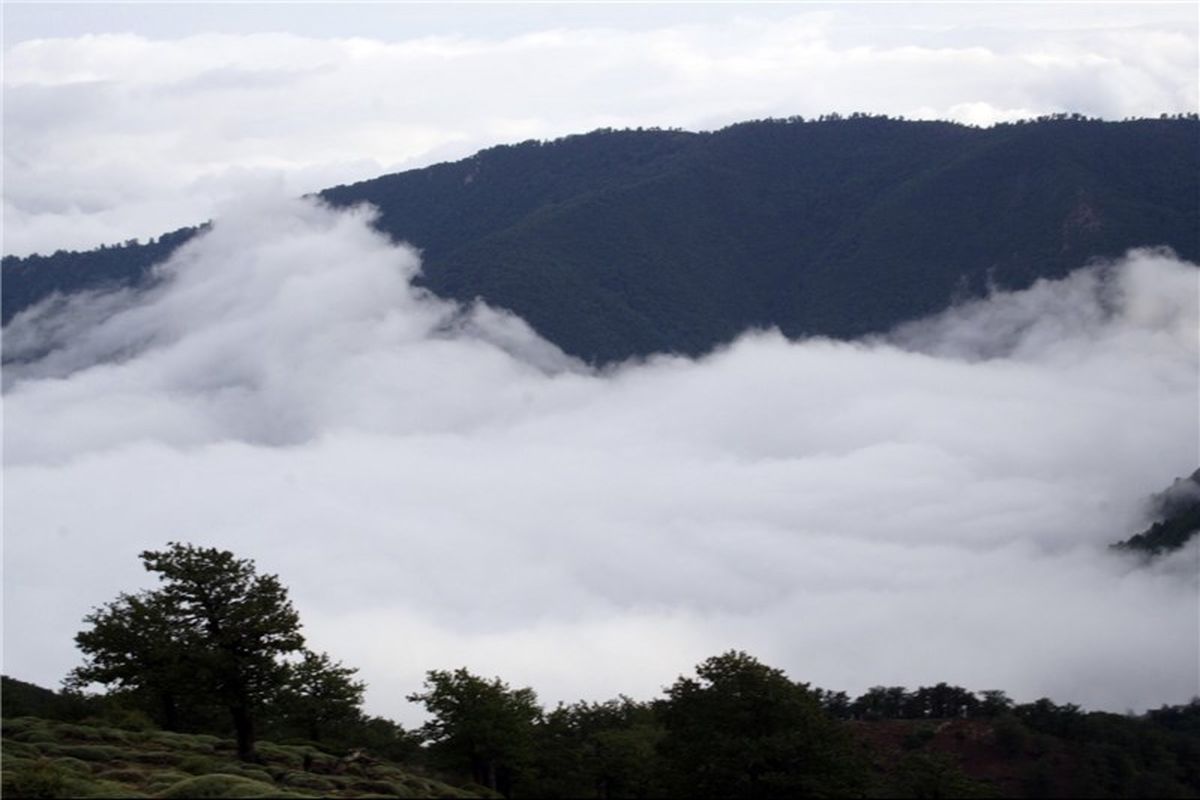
<point>170,712</point>
<point>243,726</point>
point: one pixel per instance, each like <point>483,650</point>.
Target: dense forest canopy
<point>737,728</point>
<point>622,243</point>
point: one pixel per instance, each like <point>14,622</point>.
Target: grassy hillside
<point>43,758</point>
<point>620,243</point>
<point>1095,755</point>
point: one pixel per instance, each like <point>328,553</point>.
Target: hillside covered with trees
<point>622,243</point>
<point>200,669</point>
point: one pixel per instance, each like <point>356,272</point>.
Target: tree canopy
<point>480,723</point>
<point>215,627</point>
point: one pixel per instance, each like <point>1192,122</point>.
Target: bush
<point>123,775</point>
<point>89,733</point>
<point>36,779</point>
<point>129,719</point>
<point>15,725</point>
<point>199,765</point>
<point>284,755</point>
<point>221,785</point>
<point>303,780</point>
<point>162,758</point>
<point>100,788</point>
<point>247,771</point>
<point>40,733</point>
<point>92,752</point>
<point>1011,736</point>
<point>159,781</point>
<point>182,741</point>
<point>919,737</point>
<point>20,749</point>
<point>75,765</point>
<point>369,786</point>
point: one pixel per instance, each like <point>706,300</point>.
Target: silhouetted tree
<point>214,618</point>
<point>318,692</point>
<point>479,724</point>
<point>743,729</point>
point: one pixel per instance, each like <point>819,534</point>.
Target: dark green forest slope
<point>622,243</point>
<point>1174,515</point>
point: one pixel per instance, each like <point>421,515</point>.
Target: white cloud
<point>439,487</point>
<point>116,135</point>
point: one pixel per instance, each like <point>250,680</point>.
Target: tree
<point>134,644</point>
<point>606,750</point>
<point>215,622</point>
<point>319,692</point>
<point>743,729</point>
<point>483,725</point>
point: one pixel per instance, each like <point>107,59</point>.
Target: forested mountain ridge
<point>1174,516</point>
<point>622,243</point>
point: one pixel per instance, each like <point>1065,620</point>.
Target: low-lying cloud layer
<point>440,487</point>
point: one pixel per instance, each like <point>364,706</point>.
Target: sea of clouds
<point>440,487</point>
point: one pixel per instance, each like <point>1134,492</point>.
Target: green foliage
<point>1011,736</point>
<point>137,764</point>
<point>933,775</point>
<point>221,785</point>
<point>215,628</point>
<point>318,693</point>
<point>621,243</point>
<point>1177,513</point>
<point>596,750</point>
<point>743,729</point>
<point>480,725</point>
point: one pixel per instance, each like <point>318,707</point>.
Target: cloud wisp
<point>441,487</point>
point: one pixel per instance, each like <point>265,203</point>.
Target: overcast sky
<point>128,120</point>
<point>439,487</point>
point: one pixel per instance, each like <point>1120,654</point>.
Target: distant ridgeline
<point>1176,519</point>
<point>622,243</point>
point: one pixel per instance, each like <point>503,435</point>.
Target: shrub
<point>162,758</point>
<point>246,771</point>
<point>919,737</point>
<point>182,741</point>
<point>221,785</point>
<point>92,752</point>
<point>377,787</point>
<point>36,779</point>
<point>123,775</point>
<point>284,755</point>
<point>20,749</point>
<point>71,764</point>
<point>1011,736</point>
<point>304,780</point>
<point>199,765</point>
<point>40,733</point>
<point>101,789</point>
<point>19,724</point>
<point>161,780</point>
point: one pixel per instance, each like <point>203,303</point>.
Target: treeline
<point>218,649</point>
<point>615,244</point>
<point>1175,515</point>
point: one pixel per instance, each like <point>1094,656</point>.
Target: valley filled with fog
<point>440,487</point>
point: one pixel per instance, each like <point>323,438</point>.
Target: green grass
<point>43,758</point>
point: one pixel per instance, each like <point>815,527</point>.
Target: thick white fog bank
<point>439,487</point>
